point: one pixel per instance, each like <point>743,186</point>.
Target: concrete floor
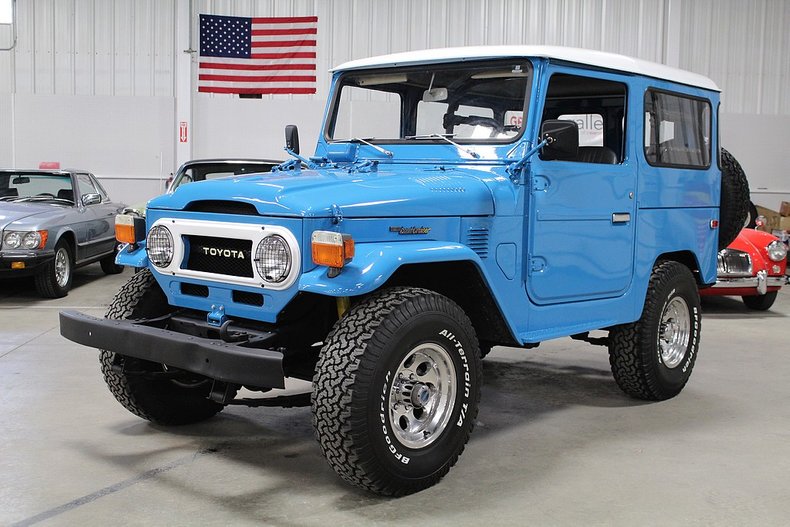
<point>556,444</point>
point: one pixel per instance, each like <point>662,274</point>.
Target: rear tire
<point>55,277</point>
<point>396,391</point>
<point>760,302</point>
<point>652,358</point>
<point>108,264</point>
<point>178,401</point>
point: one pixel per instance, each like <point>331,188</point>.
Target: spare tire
<point>734,204</point>
<point>751,216</point>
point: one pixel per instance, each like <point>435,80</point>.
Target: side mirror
<point>90,199</point>
<point>292,138</point>
<point>563,142</point>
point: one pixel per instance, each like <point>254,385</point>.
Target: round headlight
<point>776,251</point>
<point>273,259</point>
<point>12,240</point>
<point>159,246</point>
<point>31,240</point>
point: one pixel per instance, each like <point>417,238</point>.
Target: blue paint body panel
<point>564,247</point>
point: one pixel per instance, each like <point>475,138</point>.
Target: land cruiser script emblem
<point>410,230</point>
<point>225,253</point>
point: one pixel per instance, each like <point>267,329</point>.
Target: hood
<point>314,193</point>
<point>752,240</point>
<point>27,214</point>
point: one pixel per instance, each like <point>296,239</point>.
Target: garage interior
<point>105,86</point>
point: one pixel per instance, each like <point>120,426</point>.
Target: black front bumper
<point>213,358</point>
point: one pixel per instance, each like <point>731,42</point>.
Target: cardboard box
<point>784,209</point>
<point>772,219</point>
<point>784,223</point>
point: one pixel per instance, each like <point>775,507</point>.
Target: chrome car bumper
<point>761,282</point>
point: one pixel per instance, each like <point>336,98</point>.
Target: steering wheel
<point>46,194</point>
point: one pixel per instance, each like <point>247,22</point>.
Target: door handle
<point>621,217</point>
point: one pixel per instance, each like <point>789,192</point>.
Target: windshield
<point>204,171</point>
<point>31,186</point>
<point>470,102</point>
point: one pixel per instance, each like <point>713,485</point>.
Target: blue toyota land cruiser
<point>458,199</point>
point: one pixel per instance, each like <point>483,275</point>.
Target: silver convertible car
<point>52,221</point>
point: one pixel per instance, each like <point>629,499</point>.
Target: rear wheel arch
<point>687,258</point>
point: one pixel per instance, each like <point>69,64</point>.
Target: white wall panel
<point>119,138</point>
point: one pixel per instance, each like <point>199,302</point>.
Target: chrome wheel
<point>422,396</point>
<point>674,332</point>
<point>62,267</point>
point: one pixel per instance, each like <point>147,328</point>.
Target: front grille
<point>219,255</point>
<point>245,297</point>
<point>734,263</point>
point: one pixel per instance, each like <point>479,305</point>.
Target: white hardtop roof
<point>601,59</point>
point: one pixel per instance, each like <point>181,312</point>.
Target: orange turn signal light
<point>332,249</point>
<point>129,229</point>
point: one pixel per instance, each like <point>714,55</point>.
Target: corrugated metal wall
<point>94,47</point>
<point>126,47</point>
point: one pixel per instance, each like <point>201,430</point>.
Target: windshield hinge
<point>337,214</point>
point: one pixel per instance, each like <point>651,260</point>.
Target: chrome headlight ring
<point>159,246</point>
<point>776,251</point>
<point>273,259</point>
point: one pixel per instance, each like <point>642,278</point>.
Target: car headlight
<point>31,240</point>
<point>24,239</point>
<point>159,246</point>
<point>776,251</point>
<point>12,240</point>
<point>273,259</point>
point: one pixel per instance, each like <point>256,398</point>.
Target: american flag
<point>257,55</point>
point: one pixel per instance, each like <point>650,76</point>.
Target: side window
<point>597,106</point>
<point>590,127</point>
<point>677,130</point>
<point>85,185</point>
<point>102,192</point>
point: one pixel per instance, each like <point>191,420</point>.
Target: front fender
<point>136,257</point>
<point>374,264</point>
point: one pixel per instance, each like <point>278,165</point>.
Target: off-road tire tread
<point>346,363</point>
<point>126,303</point>
<point>735,201</point>
<point>630,348</point>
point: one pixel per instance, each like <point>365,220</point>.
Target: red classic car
<point>752,267</point>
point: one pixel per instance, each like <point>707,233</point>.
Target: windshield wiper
<point>446,137</point>
<point>374,147</point>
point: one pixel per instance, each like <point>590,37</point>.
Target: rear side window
<point>677,130</point>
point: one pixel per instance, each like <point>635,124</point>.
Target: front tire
<point>760,302</point>
<point>134,383</point>
<point>652,358</point>
<point>396,391</point>
<point>54,279</point>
